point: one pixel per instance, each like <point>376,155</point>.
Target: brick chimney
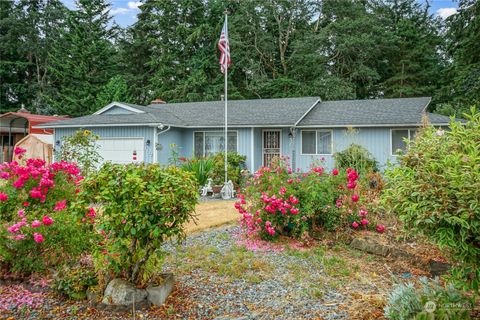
<point>158,101</point>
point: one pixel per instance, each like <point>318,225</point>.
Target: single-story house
<point>305,129</point>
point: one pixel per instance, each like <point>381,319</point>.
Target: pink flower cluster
<point>35,181</point>
<point>19,152</point>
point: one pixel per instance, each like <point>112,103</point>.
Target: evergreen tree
<point>82,59</point>
<point>28,30</point>
<point>12,68</point>
<point>352,40</point>
<point>462,76</point>
<point>413,67</point>
<point>115,90</point>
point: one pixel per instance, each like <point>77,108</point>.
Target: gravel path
<point>277,296</point>
<point>218,278</point>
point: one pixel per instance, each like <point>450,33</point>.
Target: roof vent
<point>23,110</point>
<point>158,101</point>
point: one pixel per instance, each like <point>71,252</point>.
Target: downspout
<point>293,141</point>
<point>155,143</point>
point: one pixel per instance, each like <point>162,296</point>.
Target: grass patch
<point>237,263</point>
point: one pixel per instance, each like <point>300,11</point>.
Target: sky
<point>125,12</point>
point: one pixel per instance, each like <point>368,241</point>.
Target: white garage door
<point>121,150</point>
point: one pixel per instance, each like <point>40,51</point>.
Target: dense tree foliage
<point>56,60</point>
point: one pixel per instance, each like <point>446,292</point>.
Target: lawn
<point>211,214</point>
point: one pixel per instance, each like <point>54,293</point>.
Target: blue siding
<point>165,140</point>
<point>113,132</point>
<point>375,140</point>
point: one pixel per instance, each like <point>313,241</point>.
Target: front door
<point>271,145</point>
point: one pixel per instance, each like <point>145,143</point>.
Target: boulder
<point>370,247</point>
<point>123,293</point>
<point>158,294</point>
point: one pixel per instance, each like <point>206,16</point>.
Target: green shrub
<point>356,156</point>
<point>236,163</point>
<point>406,302</point>
<point>142,206</point>
<point>38,229</point>
<point>81,148</point>
<point>201,168</point>
<point>73,281</point>
<point>435,192</point>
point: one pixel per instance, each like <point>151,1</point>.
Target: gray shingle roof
<point>269,112</point>
<point>438,118</point>
<point>96,120</point>
<point>404,111</point>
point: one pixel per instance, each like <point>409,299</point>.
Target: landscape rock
<point>123,293</point>
<point>158,294</point>
<point>438,268</point>
<point>370,247</point>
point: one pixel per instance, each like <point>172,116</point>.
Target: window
<point>398,136</point>
<point>316,142</point>
<point>211,142</point>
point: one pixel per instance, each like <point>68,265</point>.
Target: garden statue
<point>207,188</point>
<point>228,191</point>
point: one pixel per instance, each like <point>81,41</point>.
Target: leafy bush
<point>280,202</point>
<point>142,206</point>
<point>73,281</point>
<point>201,168</point>
<point>38,229</point>
<point>435,191</point>
<point>406,302</point>
<point>356,156</point>
<point>236,163</point>
<point>81,148</point>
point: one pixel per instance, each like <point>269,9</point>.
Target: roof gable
<point>119,108</point>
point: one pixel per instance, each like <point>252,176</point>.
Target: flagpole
<point>226,109</point>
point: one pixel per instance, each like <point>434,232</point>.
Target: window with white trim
<point>397,139</point>
<point>206,143</point>
<point>317,142</point>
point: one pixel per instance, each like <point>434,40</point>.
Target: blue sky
<point>125,12</point>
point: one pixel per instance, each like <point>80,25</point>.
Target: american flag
<point>224,48</point>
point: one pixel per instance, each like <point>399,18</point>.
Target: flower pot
<point>217,189</point>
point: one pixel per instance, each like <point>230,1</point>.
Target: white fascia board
<point>155,124</point>
<point>120,105</point>
<point>426,105</point>
<point>370,125</point>
<point>99,125</point>
<point>308,111</point>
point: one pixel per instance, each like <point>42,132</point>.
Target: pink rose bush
<point>36,226</point>
<point>279,202</point>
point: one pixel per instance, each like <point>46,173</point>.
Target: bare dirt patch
<point>212,214</point>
